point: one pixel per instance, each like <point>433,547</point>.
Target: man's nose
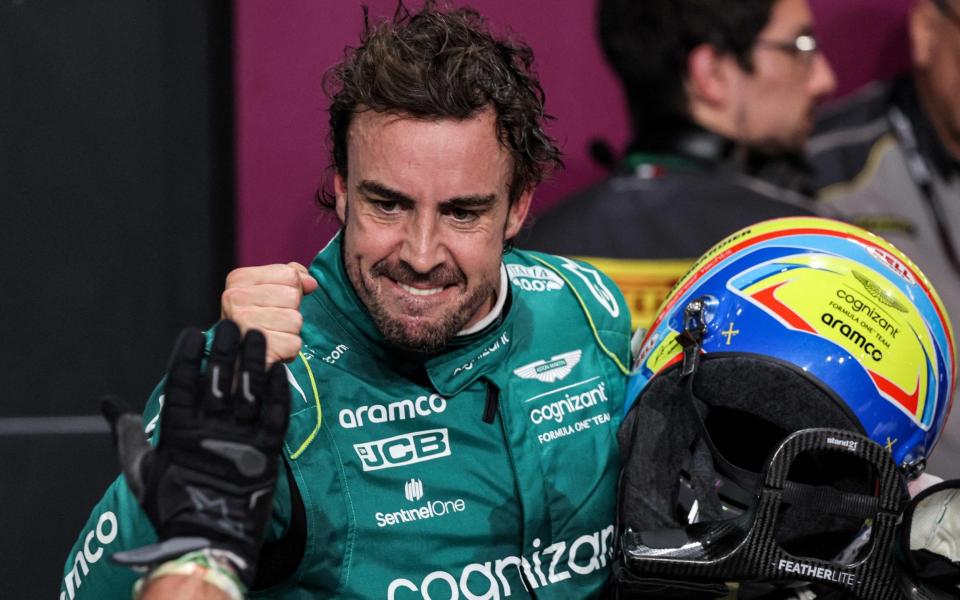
<point>823,81</point>
<point>423,248</point>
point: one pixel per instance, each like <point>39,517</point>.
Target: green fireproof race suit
<point>479,473</point>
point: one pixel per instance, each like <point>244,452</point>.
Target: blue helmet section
<point>835,301</point>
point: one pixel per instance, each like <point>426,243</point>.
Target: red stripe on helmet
<point>723,255</point>
<point>768,298</point>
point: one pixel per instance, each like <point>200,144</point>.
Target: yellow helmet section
<point>836,301</point>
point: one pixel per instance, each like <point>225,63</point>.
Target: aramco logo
<point>413,490</point>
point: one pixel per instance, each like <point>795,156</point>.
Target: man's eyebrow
<point>472,202</point>
<point>372,188</point>
<point>476,202</point>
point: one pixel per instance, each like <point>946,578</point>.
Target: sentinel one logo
<point>534,279</point>
<point>400,410</point>
<point>548,564</point>
<point>557,410</point>
<point>405,449</point>
<point>850,445</point>
<point>413,490</point>
<point>816,572</point>
<point>551,370</point>
<point>105,532</point>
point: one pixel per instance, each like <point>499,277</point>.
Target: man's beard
<point>424,337</point>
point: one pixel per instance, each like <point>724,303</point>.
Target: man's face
<point>426,213</point>
<point>935,38</point>
<point>775,103</point>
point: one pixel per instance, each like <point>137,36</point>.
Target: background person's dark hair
<point>647,43</point>
<point>439,63</point>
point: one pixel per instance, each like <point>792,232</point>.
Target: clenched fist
<point>268,298</point>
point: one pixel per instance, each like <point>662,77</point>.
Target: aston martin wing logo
<point>554,369</point>
<point>878,293</point>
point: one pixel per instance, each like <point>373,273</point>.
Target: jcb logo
<point>404,449</point>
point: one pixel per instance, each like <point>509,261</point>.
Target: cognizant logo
<point>352,418</point>
<point>491,580</point>
<point>90,553</point>
<point>861,307</point>
<point>557,410</point>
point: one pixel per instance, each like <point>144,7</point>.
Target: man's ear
<point>340,192</point>
<point>517,214</point>
<point>923,20</point>
<point>709,76</point>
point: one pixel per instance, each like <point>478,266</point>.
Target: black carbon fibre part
<point>745,549</point>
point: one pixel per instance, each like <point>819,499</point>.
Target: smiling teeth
<point>420,292</point>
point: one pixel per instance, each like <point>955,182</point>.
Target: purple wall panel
<point>863,39</point>
<point>282,50</point>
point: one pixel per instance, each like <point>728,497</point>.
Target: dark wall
<point>117,230</point>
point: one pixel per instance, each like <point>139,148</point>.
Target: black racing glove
<point>209,482</point>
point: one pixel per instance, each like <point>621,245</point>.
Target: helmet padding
<point>749,404</point>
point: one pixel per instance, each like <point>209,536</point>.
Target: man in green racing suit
<point>454,405</point>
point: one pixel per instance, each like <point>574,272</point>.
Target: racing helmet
<point>788,325</point>
<point>831,301</point>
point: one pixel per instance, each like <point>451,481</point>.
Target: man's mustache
<point>401,272</point>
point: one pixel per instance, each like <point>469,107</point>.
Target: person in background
<point>888,159</point>
<point>722,96</point>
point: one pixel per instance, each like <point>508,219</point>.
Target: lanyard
<point>922,177</point>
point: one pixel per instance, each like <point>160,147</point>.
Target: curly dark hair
<point>442,63</point>
<point>647,43</point>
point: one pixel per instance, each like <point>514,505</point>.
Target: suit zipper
<point>492,407</point>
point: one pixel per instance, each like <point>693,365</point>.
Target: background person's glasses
<point>803,46</point>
